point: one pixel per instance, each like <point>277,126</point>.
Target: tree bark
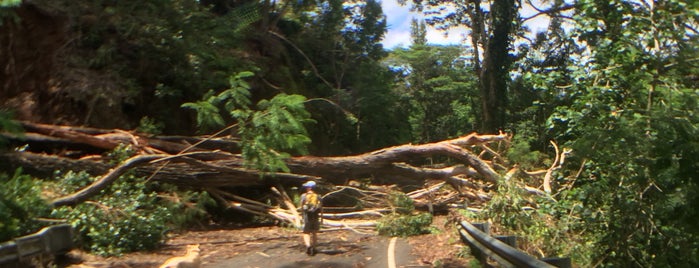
<point>495,70</point>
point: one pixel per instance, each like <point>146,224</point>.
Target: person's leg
<point>307,233</point>
<point>307,240</point>
<point>310,232</point>
<point>314,242</point>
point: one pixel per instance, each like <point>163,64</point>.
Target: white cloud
<point>454,36</point>
<point>536,24</point>
<point>399,17</point>
<point>395,38</point>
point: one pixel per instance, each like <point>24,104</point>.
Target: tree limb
<point>103,182</point>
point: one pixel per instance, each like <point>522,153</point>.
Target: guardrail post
<point>9,254</point>
<point>475,251</point>
<point>38,247</point>
<point>29,246</point>
<point>60,239</point>
<point>510,240</point>
<point>558,262</point>
<point>484,227</point>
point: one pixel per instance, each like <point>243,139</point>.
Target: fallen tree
<point>202,164</point>
<point>471,163</point>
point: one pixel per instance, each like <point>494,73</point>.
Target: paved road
<point>336,251</point>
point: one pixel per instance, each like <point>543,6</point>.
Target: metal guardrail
<point>502,249</point>
<point>48,242</point>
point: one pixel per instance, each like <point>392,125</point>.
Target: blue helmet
<point>309,184</point>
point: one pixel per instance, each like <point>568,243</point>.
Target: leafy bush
<point>554,228</point>
<point>120,153</point>
<point>402,222</point>
<point>150,126</point>
<point>20,205</point>
<point>521,153</point>
<point>404,225</point>
<point>127,216</point>
<point>401,203</point>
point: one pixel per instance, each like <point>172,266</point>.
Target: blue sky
<point>399,18</point>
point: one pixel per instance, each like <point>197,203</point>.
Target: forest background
<point>616,86</point>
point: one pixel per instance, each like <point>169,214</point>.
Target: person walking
<point>311,207</point>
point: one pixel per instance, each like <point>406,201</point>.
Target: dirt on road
<point>274,246</point>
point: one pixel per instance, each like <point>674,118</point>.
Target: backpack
<point>311,203</point>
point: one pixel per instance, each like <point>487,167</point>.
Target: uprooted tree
<point>469,164</point>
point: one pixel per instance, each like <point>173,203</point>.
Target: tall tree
<point>541,63</point>
<point>491,29</point>
<point>629,115</point>
<point>336,55</point>
<point>437,88</point>
<point>418,32</point>
<point>494,75</point>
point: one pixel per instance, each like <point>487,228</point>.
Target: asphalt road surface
<point>347,250</point>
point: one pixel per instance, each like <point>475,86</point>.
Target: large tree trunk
<point>494,74</point>
<point>190,161</point>
<point>186,161</point>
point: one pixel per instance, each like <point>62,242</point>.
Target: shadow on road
<point>318,264</point>
<point>335,248</point>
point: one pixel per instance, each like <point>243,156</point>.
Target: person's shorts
<point>311,222</point>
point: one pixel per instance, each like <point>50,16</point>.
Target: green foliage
<point>150,126</point>
<point>208,115</point>
<point>155,53</point>
<point>438,91</point>
<point>186,208</point>
<point>402,221</point>
<point>404,224</point>
<point>128,215</point>
<point>10,3</point>
<point>8,125</point>
<point>617,90</point>
<point>628,113</point>
<point>400,203</point>
<point>6,12</point>
<point>618,87</point>
<point>275,129</point>
<point>465,253</point>
<point>268,134</point>
<point>338,59</point>
<point>235,100</point>
<point>520,152</point>
<point>120,153</point>
<point>555,228</point>
<point>145,56</point>
<point>20,205</point>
